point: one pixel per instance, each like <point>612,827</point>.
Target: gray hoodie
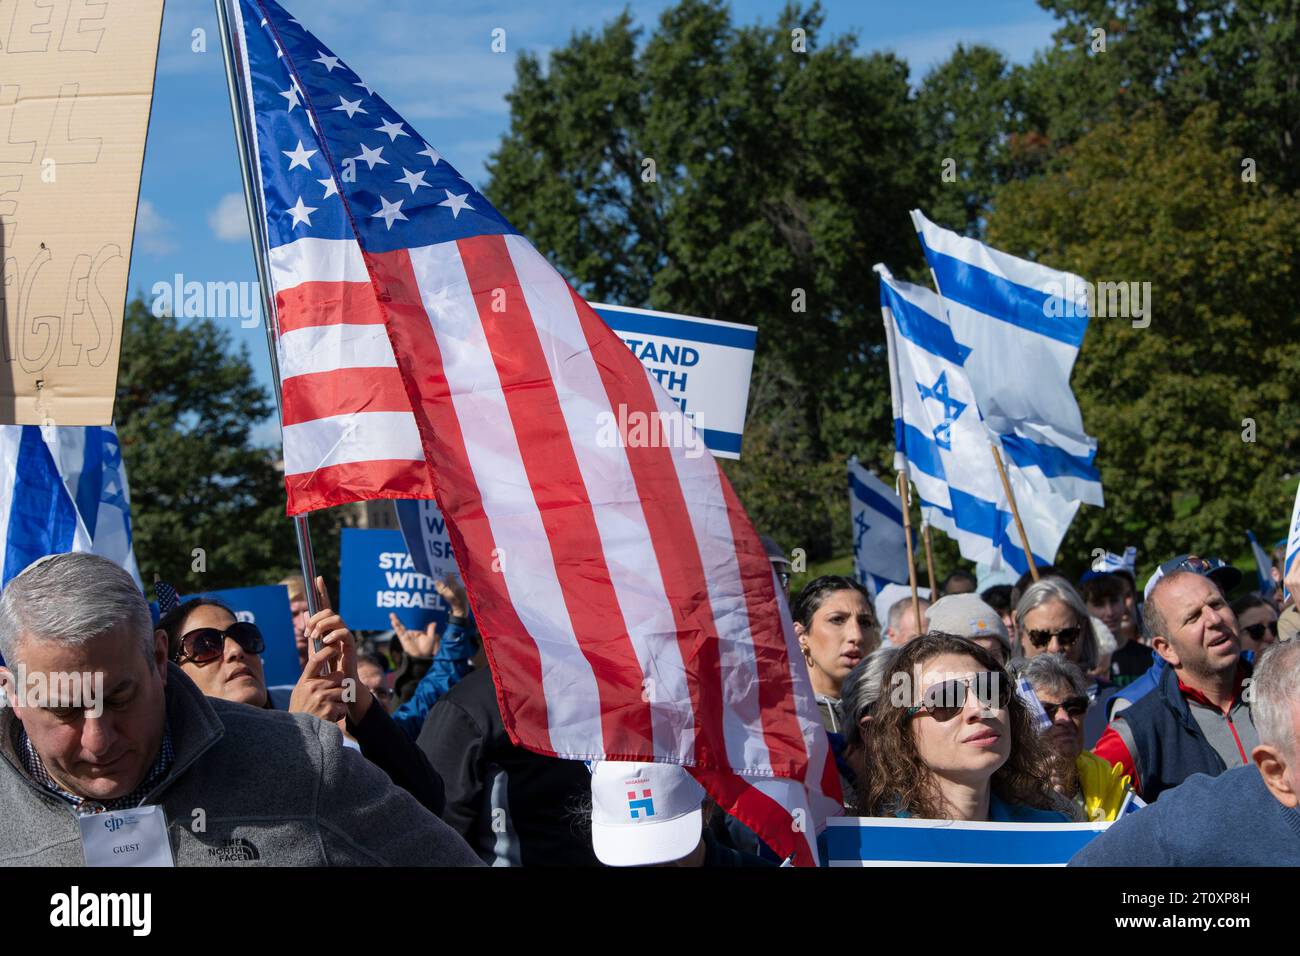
<point>274,789</point>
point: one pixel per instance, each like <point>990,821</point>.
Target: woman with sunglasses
<point>223,657</point>
<point>951,741</point>
<point>1256,623</point>
<point>1052,619</point>
<point>1097,787</point>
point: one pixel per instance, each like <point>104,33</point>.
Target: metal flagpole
<point>253,201</point>
<point>907,537</point>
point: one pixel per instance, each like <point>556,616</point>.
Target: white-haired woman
<point>1051,618</point>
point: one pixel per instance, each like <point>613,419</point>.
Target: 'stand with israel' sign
<point>704,364</point>
<point>378,577</point>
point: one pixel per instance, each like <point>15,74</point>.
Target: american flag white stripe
<point>343,439</point>
<point>327,348</point>
<point>623,530</point>
<point>310,259</point>
<point>527,563</point>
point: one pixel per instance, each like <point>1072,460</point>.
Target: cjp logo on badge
<point>645,807</point>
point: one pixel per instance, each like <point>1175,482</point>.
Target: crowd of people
<point>1171,712</point>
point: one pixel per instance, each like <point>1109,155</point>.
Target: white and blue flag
<point>1263,565</point>
<point>906,841</point>
<point>998,306</point>
<point>63,488</point>
<point>943,444</point>
<point>879,538</point>
<point>1292,542</point>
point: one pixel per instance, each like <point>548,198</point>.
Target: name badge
<point>135,837</point>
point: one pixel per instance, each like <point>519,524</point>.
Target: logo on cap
<point>644,807</point>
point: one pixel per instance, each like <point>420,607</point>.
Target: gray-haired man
<point>99,723</point>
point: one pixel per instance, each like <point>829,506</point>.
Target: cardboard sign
<point>76,85</point>
<point>268,608</point>
<point>703,363</point>
<point>887,841</point>
<point>379,577</point>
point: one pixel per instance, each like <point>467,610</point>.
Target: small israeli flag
<point>879,538</point>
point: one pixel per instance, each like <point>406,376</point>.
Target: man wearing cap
<point>1196,719</point>
<point>1110,596</point>
<point>966,615</point>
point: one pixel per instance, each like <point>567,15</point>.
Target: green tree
<point>973,112</point>
<point>1151,201</point>
<point>748,173</point>
<point>1176,55</point>
<point>186,404</point>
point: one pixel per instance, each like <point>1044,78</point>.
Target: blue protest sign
<point>268,608</point>
<point>703,363</point>
<point>886,841</point>
<point>377,577</point>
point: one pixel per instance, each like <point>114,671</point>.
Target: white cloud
<point>229,221</point>
<point>152,231</point>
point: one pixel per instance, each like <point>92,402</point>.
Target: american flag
<point>428,350</point>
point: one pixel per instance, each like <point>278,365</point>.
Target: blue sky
<point>433,61</point>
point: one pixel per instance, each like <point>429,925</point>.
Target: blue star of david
<point>952,409</point>
<point>860,523</point>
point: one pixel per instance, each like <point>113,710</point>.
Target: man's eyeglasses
<point>1256,631</point>
<point>1074,706</point>
<point>206,644</point>
<point>1065,635</point>
<point>947,699</point>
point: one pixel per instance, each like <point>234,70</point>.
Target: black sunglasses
<point>947,699</point>
<point>206,644</point>
<point>1256,631</point>
<point>1074,706</point>
<point>1066,635</point>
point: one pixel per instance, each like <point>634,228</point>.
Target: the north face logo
<point>234,851</point>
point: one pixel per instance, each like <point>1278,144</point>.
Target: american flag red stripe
<point>629,609</point>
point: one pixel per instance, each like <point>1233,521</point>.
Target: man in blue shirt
<point>1243,817</point>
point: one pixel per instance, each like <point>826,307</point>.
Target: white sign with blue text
<point>704,364</point>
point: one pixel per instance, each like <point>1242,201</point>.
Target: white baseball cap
<point>644,813</point>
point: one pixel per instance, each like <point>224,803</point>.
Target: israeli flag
<point>1001,306</point>
<point>63,488</point>
<point>943,444</point>
<point>879,539</point>
<point>1263,564</point>
<point>888,841</point>
<point>1292,540</point>
<point>1108,562</point>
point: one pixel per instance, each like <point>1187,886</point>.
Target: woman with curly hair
<point>951,740</point>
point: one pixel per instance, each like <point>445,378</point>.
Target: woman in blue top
<point>951,740</point>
